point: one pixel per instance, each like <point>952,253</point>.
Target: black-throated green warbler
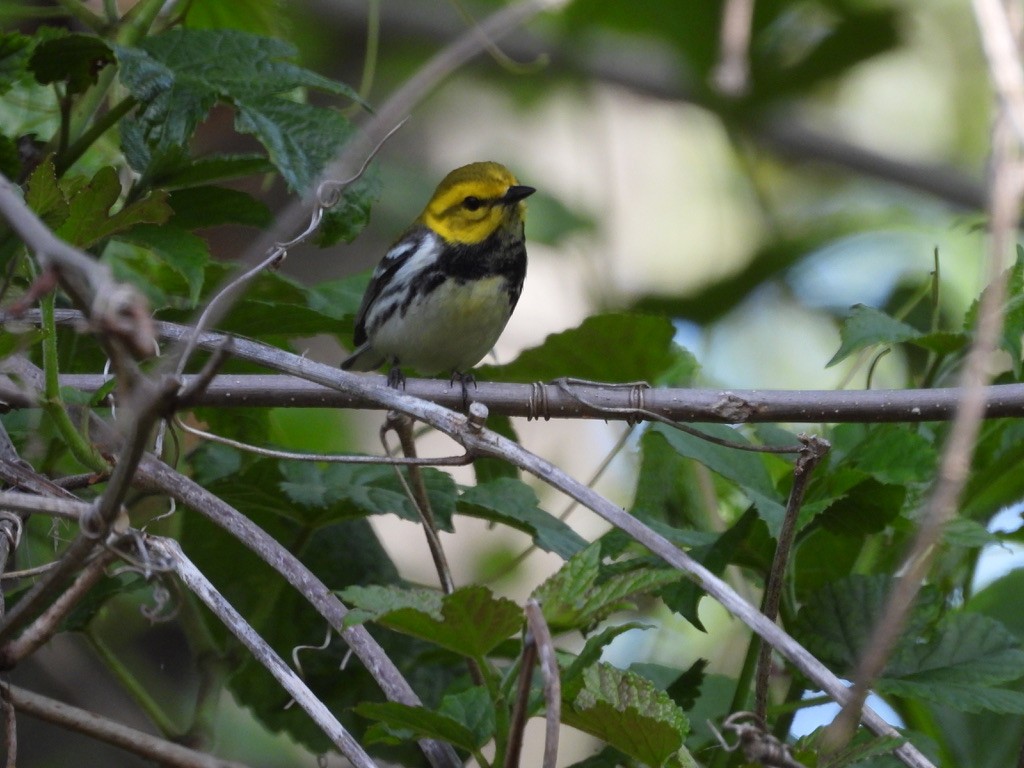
<point>443,293</point>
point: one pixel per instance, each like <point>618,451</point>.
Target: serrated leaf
<point>417,722</point>
<point>612,347</point>
<point>339,491</point>
<point>894,454</point>
<point>44,195</point>
<point>75,59</point>
<point>629,713</point>
<point>867,326</point>
<point>514,503</point>
<point>745,468</point>
<point>470,621</point>
<point>89,219</point>
<point>577,597</point>
<point>208,206</point>
<point>180,74</point>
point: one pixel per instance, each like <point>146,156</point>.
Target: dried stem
<point>815,449</point>
<point>164,752</point>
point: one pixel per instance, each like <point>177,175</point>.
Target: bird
<point>444,291</point>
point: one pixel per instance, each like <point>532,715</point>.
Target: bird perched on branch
<point>443,293</point>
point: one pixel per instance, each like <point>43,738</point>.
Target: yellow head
<point>474,201</point>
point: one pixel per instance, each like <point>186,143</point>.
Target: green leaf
<point>891,453</point>
<point>44,195</point>
<point>186,254</point>
<point>732,546</point>
<point>514,503</point>
<point>744,468</point>
<point>15,50</point>
<point>10,158</point>
<point>866,508</point>
<point>403,721</point>
<point>213,169</point>
<point>578,595</point>
<point>198,207</point>
<point>300,138</point>
<point>474,709</point>
<point>629,713</point>
<point>261,17</point>
<point>613,348</point>
<point>331,492</point>
<point>180,74</point>
<point>285,619</point>
<point>89,220</point>
<point>343,222</point>
<point>665,485</point>
<point>470,621</point>
<point>75,59</point>
<point>866,327</point>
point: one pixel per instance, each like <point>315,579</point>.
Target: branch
<point>82,721</point>
<point>597,401</point>
<point>193,578</point>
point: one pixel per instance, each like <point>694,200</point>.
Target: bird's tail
<point>365,358</point>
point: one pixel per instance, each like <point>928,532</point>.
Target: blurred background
<point>848,163</point>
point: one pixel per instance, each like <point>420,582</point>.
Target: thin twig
<point>1004,61</point>
<point>815,449</point>
<point>416,490</point>
<point>330,458</point>
<point>552,680</point>
<point>520,707</point>
<point>161,751</point>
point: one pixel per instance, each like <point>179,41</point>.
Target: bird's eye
<point>472,203</point>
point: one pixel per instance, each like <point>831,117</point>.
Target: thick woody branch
<point>594,401</point>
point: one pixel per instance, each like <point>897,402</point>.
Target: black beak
<point>517,193</point>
